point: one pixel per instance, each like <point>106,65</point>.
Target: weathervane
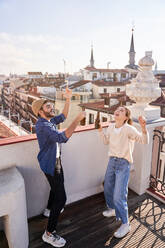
<point>133,25</point>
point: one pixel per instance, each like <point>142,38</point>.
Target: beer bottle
<point>97,121</point>
<point>83,121</point>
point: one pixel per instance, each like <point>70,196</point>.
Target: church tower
<point>132,53</point>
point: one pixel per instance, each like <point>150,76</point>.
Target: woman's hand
<point>142,123</point>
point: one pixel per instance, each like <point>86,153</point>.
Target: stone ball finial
<point>147,59</point>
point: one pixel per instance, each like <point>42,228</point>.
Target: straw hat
<point>36,105</point>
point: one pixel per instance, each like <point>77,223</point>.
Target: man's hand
<point>81,116</point>
<point>142,123</point>
<point>68,93</point>
<point>100,128</point>
<point>69,131</point>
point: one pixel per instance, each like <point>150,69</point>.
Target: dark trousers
<point>57,198</point>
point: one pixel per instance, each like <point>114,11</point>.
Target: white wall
<point>97,90</point>
<point>46,90</point>
<point>84,171</point>
<point>140,177</point>
<point>84,159</point>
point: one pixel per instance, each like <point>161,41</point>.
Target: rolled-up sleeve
<point>52,135</point>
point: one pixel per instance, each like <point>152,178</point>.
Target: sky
<point>39,35</point>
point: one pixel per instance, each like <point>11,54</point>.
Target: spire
<point>132,51</point>
<point>92,59</point>
<point>132,43</point>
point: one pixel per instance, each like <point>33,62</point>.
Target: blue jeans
<point>116,187</point>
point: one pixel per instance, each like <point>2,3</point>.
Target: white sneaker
<point>53,239</point>
<point>109,212</point>
<point>46,212</point>
<point>123,230</point>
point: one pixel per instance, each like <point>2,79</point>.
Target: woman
<point>120,137</point>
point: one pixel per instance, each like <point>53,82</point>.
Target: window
<point>106,101</point>
<point>118,89</point>
<point>73,98</point>
<point>91,118</point>
<point>109,75</point>
<point>133,75</point>
<point>105,90</point>
<point>115,77</point>
<point>104,119</point>
<point>123,75</point>
<point>94,76</point>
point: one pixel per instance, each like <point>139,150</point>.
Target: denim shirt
<point>48,136</point>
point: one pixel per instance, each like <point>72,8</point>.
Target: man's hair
<point>41,107</point>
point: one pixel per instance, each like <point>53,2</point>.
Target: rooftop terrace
<point>83,225</point>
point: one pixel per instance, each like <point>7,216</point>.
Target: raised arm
<point>140,137</point>
<point>69,131</point>
<point>142,123</point>
<point>67,95</point>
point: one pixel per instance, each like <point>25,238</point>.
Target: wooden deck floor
<point>83,225</point>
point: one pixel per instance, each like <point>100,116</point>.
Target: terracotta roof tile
<point>78,84</point>
<point>100,106</point>
<point>160,101</point>
<point>102,83</point>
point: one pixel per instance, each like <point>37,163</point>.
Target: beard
<point>49,114</point>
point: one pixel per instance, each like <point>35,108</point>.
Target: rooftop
<point>83,225</point>
<point>105,70</point>
<point>5,132</point>
<point>79,83</point>
<point>102,83</point>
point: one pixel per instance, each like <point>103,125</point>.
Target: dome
<point>146,60</point>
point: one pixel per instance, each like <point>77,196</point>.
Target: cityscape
<point>93,90</point>
<point>107,55</point>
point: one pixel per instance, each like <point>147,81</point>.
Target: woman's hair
<point>128,115</point>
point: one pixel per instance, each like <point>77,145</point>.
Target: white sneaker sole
<point>120,237</point>
<point>52,243</point>
<point>47,215</point>
<point>108,216</point>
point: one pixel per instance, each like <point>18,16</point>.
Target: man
<point>49,159</point>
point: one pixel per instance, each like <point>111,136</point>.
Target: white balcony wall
<point>84,160</point>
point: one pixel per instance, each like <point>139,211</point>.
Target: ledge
<point>90,127</point>
<point>30,137</point>
<point>17,139</point>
